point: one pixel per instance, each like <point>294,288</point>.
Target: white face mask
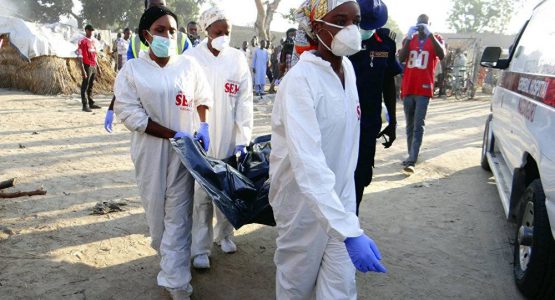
<point>220,43</point>
<point>346,42</point>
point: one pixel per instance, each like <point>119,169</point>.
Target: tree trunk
<point>270,11</point>
<point>22,194</point>
<point>259,28</point>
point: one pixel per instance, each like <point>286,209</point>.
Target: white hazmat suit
<point>315,136</point>
<point>231,122</point>
<point>168,96</point>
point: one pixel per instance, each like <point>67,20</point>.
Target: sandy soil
<point>442,231</point>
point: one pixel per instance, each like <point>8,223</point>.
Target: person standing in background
<point>245,50</point>
<point>269,69</point>
<point>87,56</point>
<point>121,47</point>
<point>115,51</point>
<point>421,52</point>
<point>192,33</point>
<point>274,65</point>
<point>252,49</point>
<point>259,66</point>
<point>287,52</point>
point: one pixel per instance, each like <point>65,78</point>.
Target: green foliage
<point>481,15</point>
<point>44,11</point>
<point>102,14</point>
<point>290,16</point>
<point>127,13</point>
<point>393,26</point>
<point>112,14</point>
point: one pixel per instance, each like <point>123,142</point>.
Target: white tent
<point>33,39</point>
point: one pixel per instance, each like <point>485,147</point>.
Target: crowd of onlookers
<point>269,62</point>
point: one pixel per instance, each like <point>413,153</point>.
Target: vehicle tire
<point>459,92</point>
<point>534,265</point>
<point>487,144</point>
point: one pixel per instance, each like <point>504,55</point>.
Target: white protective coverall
<point>169,96</point>
<point>231,122</point>
<point>315,136</point>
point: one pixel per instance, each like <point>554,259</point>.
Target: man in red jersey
<point>421,52</point>
<point>89,69</point>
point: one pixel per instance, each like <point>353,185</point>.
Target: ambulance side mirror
<point>490,57</point>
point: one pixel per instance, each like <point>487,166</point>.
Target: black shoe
<point>86,109</point>
<point>94,106</point>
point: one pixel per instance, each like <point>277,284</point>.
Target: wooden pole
<point>22,194</point>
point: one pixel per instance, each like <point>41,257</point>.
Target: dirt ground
<point>442,231</point>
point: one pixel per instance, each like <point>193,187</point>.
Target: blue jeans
<point>416,108</point>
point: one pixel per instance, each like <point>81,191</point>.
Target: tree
<point>290,16</point>
<point>127,13</point>
<point>264,17</point>
<point>44,11</point>
<point>481,15</point>
<point>393,26</point>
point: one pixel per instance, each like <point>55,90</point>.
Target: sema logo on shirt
<point>182,102</point>
<point>231,88</point>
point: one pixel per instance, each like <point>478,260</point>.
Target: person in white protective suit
<point>158,97</point>
<point>231,120</point>
<point>315,134</point>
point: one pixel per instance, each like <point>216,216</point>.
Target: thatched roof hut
<point>37,66</point>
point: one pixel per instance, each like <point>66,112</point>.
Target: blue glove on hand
<point>108,121</point>
<point>365,254</point>
<point>412,31</point>
<point>203,136</point>
<point>425,28</point>
<point>182,134</point>
<point>242,150</point>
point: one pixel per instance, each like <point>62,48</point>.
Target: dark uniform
<point>375,67</point>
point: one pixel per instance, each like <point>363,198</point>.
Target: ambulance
<point>519,147</point>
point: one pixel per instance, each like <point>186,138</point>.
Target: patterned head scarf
<point>315,10</point>
<point>211,16</point>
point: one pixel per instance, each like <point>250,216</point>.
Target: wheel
<point>459,92</point>
<point>471,91</point>
<point>487,144</point>
<point>449,91</point>
<point>534,247</point>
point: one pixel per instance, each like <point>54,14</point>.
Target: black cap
<point>89,27</point>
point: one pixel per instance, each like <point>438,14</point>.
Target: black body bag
<point>241,195</point>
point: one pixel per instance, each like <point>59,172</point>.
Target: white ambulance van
<point>519,148</point>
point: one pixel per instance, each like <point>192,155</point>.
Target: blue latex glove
<point>412,31</point>
<point>242,150</point>
<point>425,28</point>
<point>108,121</point>
<point>203,136</point>
<point>182,134</point>
<point>365,254</point>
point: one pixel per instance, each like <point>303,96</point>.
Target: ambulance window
<point>534,53</point>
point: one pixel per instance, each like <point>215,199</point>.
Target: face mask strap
<point>320,39</point>
<point>330,24</point>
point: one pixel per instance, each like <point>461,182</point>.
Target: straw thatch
<point>48,75</point>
